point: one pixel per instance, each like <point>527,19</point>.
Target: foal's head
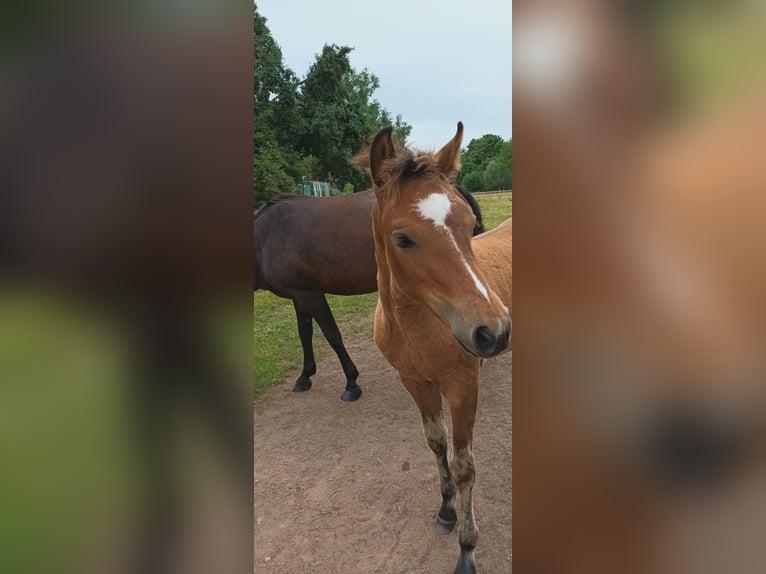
<point>423,231</point>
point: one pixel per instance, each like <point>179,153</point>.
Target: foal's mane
<point>406,164</point>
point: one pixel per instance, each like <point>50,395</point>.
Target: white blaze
<point>435,208</point>
<point>482,289</point>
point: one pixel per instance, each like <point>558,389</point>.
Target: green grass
<point>495,208</point>
<point>277,349</point>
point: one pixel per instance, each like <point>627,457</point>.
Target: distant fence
<point>492,192</point>
<point>323,189</point>
<point>316,188</point>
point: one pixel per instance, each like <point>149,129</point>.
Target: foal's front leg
<point>429,401</point>
<point>463,412</point>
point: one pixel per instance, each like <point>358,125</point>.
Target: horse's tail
<point>469,199</point>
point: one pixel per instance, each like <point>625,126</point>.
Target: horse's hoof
<point>444,526</point>
<point>465,565</point>
<point>350,395</point>
<point>302,385</point>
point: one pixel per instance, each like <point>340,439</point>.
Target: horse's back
<point>315,244</point>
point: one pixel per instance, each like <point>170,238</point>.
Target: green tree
<point>340,114</point>
<point>499,171</point>
<point>401,129</point>
<point>473,181</point>
<point>276,116</point>
<point>275,102</point>
<point>478,154</point>
<point>271,174</point>
<point>331,124</point>
<point>311,128</point>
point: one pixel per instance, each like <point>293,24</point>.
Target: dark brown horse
<point>308,246</point>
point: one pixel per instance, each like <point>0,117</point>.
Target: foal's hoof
<point>352,394</point>
<point>302,385</point>
<point>444,526</point>
<point>465,565</point>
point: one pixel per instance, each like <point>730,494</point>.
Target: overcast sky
<point>438,62</point>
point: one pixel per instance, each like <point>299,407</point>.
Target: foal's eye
<point>403,242</point>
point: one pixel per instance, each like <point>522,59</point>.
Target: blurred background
<point>126,141</point>
<point>639,253</point>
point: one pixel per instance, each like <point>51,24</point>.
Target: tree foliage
<point>276,116</point>
<point>311,128</point>
<point>486,164</point>
<point>473,181</point>
<point>478,154</point>
<point>499,172</point>
<point>271,173</point>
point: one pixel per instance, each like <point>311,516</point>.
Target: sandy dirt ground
<point>353,488</point>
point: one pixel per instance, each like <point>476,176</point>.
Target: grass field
<point>277,349</point>
<point>495,208</point>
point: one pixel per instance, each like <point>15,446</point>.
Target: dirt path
<point>353,488</point>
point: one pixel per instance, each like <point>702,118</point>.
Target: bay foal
<point>444,303</point>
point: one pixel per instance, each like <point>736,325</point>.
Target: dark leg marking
<point>466,563</point>
<point>436,435</point>
<point>463,470</point>
<point>464,473</point>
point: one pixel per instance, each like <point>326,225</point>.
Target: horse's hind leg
<point>463,411</point>
<point>429,402</point>
<point>324,318</point>
<point>306,334</point>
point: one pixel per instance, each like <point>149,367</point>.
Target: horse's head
<point>423,235</point>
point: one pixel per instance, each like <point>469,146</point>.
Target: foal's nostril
<point>502,340</point>
<point>484,340</point>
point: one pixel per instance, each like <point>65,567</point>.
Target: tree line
<point>310,127</point>
<point>486,164</point>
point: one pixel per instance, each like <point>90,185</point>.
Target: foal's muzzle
<point>487,342</point>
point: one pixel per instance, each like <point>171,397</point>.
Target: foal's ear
<point>381,149</point>
<point>448,158</point>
